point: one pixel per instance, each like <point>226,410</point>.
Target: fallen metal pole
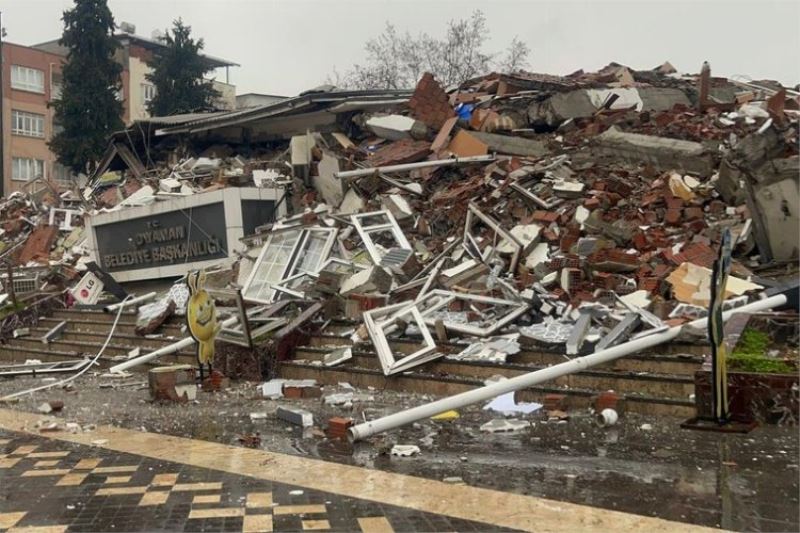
<point>166,350</point>
<point>139,299</point>
<point>367,429</point>
<point>411,166</point>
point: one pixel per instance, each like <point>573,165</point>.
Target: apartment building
<point>32,79</point>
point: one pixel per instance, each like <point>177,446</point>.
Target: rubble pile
<point>575,211</point>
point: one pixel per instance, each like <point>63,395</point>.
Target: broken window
<point>381,322</point>
<point>286,254</point>
<point>484,238</point>
<point>476,315</point>
<point>380,233</point>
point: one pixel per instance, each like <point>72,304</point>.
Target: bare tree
<point>397,60</point>
<point>516,56</point>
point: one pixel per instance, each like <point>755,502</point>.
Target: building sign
<point>169,238</point>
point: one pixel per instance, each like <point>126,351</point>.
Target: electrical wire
<point>81,371</point>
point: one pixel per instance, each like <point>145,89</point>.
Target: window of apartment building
<point>26,168</point>
<point>56,85</point>
<point>148,93</point>
<point>27,79</point>
<point>24,123</point>
<point>63,175</point>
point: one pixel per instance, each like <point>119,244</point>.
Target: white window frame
<point>506,311</point>
<point>25,79</point>
<point>379,322</point>
<point>30,168</point>
<point>23,122</point>
<point>147,88</point>
<point>375,253</point>
<point>472,246</point>
<point>260,288</point>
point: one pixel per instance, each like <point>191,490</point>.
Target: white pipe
<point>366,429</point>
<point>125,303</point>
<point>411,166</point>
<point>166,350</point>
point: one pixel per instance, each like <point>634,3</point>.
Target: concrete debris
<point>513,211</point>
<point>502,425</point>
<point>405,450</point>
<point>296,416</point>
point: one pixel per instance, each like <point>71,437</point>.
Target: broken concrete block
<point>662,152</point>
<point>505,425</point>
<point>296,416</point>
<point>775,209</point>
<point>398,206</point>
<point>507,144</point>
<point>396,127</point>
<point>526,235</point>
<point>352,203</point>
<point>338,356</point>
<point>466,271</point>
<point>540,254</point>
<point>172,383</point>
<point>578,334</point>
<point>691,284</point>
<point>331,188</point>
<point>300,147</point>
<point>405,450</point>
<point>372,279</point>
<point>560,107</point>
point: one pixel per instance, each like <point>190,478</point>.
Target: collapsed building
<point>566,212</point>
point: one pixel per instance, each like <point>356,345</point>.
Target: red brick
<point>693,213</point>
<point>673,216</point>
<point>545,216</point>
<point>554,402</point>
<point>606,400</point>
<point>591,203</point>
<point>400,152</point>
<point>430,103</point>
<point>37,247</point>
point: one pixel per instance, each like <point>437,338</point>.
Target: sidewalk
<point>103,480</point>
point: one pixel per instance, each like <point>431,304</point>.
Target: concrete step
<point>100,326</point>
<point>406,345</point>
<point>642,362</point>
<point>673,386</point>
<point>11,353</point>
<point>90,346</point>
<point>91,314</point>
<point>124,338</point>
<point>447,385</point>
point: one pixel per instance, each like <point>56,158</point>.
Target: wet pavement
<point>739,482</point>
<point>64,486</point>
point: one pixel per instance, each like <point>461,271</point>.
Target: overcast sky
<point>287,46</point>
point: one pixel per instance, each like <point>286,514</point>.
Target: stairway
<point>652,383</point>
<point>84,335</point>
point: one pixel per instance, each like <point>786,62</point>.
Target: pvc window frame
<point>293,263</point>
<point>380,321</point>
<point>238,333</point>
<point>471,244</point>
<point>438,299</point>
<point>366,231</point>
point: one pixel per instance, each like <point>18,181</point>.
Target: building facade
<point>32,80</point>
